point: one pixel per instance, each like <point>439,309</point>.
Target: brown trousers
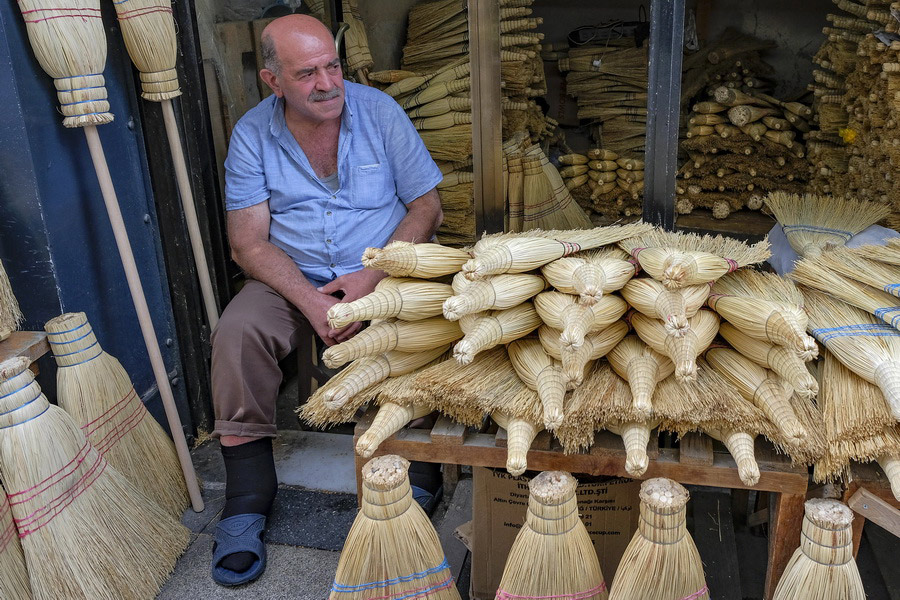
<point>257,329</point>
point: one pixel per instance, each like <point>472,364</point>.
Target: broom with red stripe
<point>13,576</point>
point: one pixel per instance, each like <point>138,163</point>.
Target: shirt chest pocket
<point>371,186</point>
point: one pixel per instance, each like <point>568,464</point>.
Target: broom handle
<point>190,213</point>
<point>140,306</point>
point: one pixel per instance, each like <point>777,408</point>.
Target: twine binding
<point>340,588</point>
<point>504,595</point>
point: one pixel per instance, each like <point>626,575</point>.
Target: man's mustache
<point>322,96</point>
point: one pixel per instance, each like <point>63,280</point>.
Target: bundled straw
<point>86,532</point>
<point>403,336</point>
<point>392,549</point>
<point>542,374</point>
<point>497,292</point>
<point>575,360</point>
<point>403,259</point>
<point>888,254</point>
<point>590,274</point>
<point>93,387</point>
<point>672,307</point>
<point>389,419</point>
<point>13,576</point>
<point>870,272</point>
<point>635,436</point>
<point>823,566</point>
<point>552,555</point>
<point>765,307</point>
<point>683,351</point>
<point>813,223</point>
<point>488,329</point>
<point>868,348</point>
<point>742,447</point>
<point>520,433</point>
<point>405,299</point>
<point>662,547</point>
<point>681,259</point>
<point>10,315</point>
<point>575,320</point>
<point>643,368</point>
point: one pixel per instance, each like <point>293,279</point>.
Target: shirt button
<point>328,241</point>
<point>332,265</point>
<point>328,213</point>
<point>333,196</point>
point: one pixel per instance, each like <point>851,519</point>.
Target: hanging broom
<point>741,446</point>
<point>813,223</point>
<point>542,374</point>
<point>575,320</point>
<point>10,315</point>
<point>635,436</point>
<point>369,370</point>
<point>392,550</point>
<point>662,547</point>
<point>548,204</point>
<point>86,532</point>
<point>643,368</point>
<point>574,360</point>
<point>552,555</point>
<point>868,348</point>
<point>760,387</point>
<point>70,44</point>
<point>149,32</point>
<point>402,336</point>
<point>779,359</point>
<point>93,387</point>
<point>488,329</point>
<point>515,191</point>
<point>680,259</point>
<point>405,299</point>
<point>389,419</point>
<point>672,307</point>
<point>13,576</point>
<point>496,292</point>
<point>869,272</point>
<point>683,351</point>
<point>590,274</point>
<point>765,307</point>
<point>520,433</point>
<point>403,259</point>
<point>823,566</point>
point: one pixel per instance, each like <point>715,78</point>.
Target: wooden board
<point>237,76</point>
<point>875,509</point>
<point>748,225</point>
<point>714,536</point>
<point>30,344</point>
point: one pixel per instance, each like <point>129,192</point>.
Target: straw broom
<point>402,336</point>
<point>389,419</point>
<point>369,370</point>
<point>149,32</point>
<point>426,261</point>
<point>10,315</point>
<point>888,254</point>
<point>520,433</point>
<point>515,191</point>
<point>405,299</point>
<point>823,566</point>
<point>488,329</point>
<point>870,272</point>
<point>635,436</point>
<point>574,360</point>
<point>813,223</point>
<point>741,446</point>
<point>643,368</point>
<point>70,45</point>
<point>552,555</point>
<point>93,387</point>
<point>868,348</point>
<point>891,467</point>
<point>497,292</point>
<point>85,531</point>
<point>681,259</point>
<point>542,374</point>
<point>590,274</point>
<point>765,307</point>
<point>779,359</point>
<point>13,575</point>
<point>575,320</point>
<point>683,351</point>
<point>761,388</point>
<point>662,547</point>
<point>672,307</point>
<point>392,549</point>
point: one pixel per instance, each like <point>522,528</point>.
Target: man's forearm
<point>269,264</point>
<point>422,220</point>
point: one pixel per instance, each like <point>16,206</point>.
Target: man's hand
<point>316,313</point>
<point>354,286</point>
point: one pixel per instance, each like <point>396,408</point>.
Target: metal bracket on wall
<point>663,108</point>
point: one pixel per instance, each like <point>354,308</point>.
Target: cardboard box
<point>608,507</point>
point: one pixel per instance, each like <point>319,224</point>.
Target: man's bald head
<point>294,29</point>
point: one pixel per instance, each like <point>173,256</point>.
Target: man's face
<point>311,81</point>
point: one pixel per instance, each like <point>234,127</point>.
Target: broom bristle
<point>495,328</point>
<point>497,292</point>
<point>402,259</point>
<point>520,433</point>
<point>869,272</point>
<point>673,307</point>
<point>13,575</point>
<point>389,419</point>
<point>10,315</point>
<point>149,32</point>
<point>741,446</point>
<point>643,368</point>
<point>540,373</point>
<point>888,254</point>
<point>683,350</point>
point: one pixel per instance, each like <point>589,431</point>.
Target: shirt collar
<point>277,123</point>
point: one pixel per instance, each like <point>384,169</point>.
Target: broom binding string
<point>504,595</point>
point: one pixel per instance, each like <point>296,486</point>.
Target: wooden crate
<point>694,462</point>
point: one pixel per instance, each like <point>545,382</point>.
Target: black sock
<point>425,475</point>
<point>250,487</point>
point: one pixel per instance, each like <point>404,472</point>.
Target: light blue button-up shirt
<point>382,166</point>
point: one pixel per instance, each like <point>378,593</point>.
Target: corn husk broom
<point>488,329</point>
<point>542,374</point>
<point>426,261</point>
<point>402,336</point>
<point>389,419</point>
<point>672,307</point>
<point>683,351</point>
<point>575,360</point>
<point>873,273</point>
<point>635,436</point>
<point>496,292</point>
<point>590,274</point>
<point>520,433</point>
<point>643,368</point>
<point>405,299</point>
<point>576,320</point>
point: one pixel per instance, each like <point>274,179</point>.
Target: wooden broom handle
<point>190,214</point>
<point>140,306</point>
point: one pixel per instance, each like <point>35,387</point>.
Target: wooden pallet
<point>694,462</point>
<point>868,493</point>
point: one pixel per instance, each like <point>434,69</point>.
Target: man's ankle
<point>236,440</point>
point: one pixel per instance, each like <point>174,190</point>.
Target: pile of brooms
<point>603,182</point>
<point>533,314</point>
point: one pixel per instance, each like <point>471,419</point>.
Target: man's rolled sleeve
<point>415,172</point>
<point>245,179</point>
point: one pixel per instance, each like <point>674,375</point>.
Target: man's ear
<point>271,80</point>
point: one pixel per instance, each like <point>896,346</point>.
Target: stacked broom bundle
<point>604,182</point>
<point>10,314</point>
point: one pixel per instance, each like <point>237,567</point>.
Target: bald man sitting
<point>315,173</point>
